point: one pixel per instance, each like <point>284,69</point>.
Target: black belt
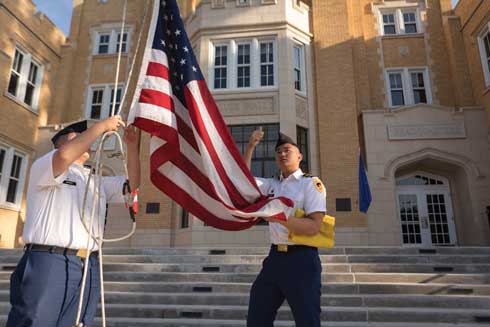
<point>290,247</point>
<point>82,253</point>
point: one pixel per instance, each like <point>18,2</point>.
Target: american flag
<point>194,159</point>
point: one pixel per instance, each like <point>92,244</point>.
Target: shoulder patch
<point>318,185</point>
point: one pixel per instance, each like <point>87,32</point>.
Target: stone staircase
<point>365,286</point>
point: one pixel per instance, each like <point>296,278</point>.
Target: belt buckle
<point>282,248</point>
<point>82,253</point>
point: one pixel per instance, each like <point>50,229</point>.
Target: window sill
<point>403,36</point>
<point>109,55</point>
<point>10,207</point>
<point>20,103</point>
<point>300,93</point>
<point>244,90</point>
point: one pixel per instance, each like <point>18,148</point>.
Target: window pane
<point>243,69</point>
<point>12,191</point>
<point>14,81</point>
<point>396,81</point>
<point>118,99</point>
<point>302,141</point>
<point>220,71</point>
<point>410,28</point>
<point>263,160</point>
<point>96,108</point>
<point>419,96</point>
<point>388,18</point>
<point>29,94</point>
<point>2,159</point>
<point>397,98</point>
<point>33,73</point>
<point>267,64</point>
<point>390,29</point>
<point>486,42</point>
<point>14,179</point>
<point>104,43</point>
<point>18,59</point>
<point>16,165</point>
<point>124,43</point>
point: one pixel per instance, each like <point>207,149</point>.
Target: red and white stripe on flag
<point>193,158</point>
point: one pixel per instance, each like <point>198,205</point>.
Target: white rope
<point>118,67</point>
<point>99,240</point>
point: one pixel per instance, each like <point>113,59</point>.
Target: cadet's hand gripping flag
<point>194,159</point>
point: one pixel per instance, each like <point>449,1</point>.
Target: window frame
<point>408,90</point>
<point>221,66</point>
<point>24,80</point>
<point>106,99</point>
<point>301,68</point>
<point>232,64</point>
<point>10,152</point>
<point>485,61</point>
<point>249,65</point>
<point>113,43</point>
<point>399,20</point>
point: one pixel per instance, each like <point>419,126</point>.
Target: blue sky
<point>59,11</point>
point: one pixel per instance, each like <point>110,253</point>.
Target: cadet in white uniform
<point>291,272</point>
<point>45,286</point>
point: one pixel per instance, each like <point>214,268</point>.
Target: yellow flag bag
<point>324,239</point>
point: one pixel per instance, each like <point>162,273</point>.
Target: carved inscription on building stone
<point>246,107</point>
<point>426,131</point>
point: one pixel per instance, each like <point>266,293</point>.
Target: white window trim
<point>113,32</point>
<point>481,47</point>
<point>399,22</point>
<point>232,53</point>
<point>23,78</point>
<point>407,85</point>
<point>302,68</point>
<point>7,166</point>
<point>106,99</point>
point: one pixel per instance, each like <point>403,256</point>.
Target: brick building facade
<point>405,83</point>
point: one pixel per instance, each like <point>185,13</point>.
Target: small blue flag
<point>365,197</point>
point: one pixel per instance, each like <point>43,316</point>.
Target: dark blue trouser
<point>45,290</point>
<point>295,276</point>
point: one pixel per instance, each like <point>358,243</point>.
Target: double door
<point>426,216</point>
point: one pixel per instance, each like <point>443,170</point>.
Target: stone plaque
<point>246,107</point>
<point>426,131</point>
<point>301,109</point>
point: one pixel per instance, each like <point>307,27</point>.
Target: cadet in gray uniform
<point>45,286</point>
<point>291,272</point>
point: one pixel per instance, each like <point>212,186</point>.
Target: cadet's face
<point>288,157</point>
<point>70,136</point>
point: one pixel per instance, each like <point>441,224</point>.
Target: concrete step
<point>260,251</point>
<point>337,250</point>
<point>347,314</point>
<point>326,277</point>
<point>331,288</point>
<point>327,300</point>
<point>255,268</point>
<point>159,322</point>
